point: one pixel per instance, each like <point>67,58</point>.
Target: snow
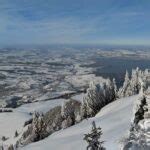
<point>83,80</point>
<point>12,121</point>
<point>114,119</point>
<point>42,106</point>
<point>78,97</point>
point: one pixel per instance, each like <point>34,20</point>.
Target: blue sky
<point>74,21</point>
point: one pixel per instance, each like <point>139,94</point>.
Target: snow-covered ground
<point>42,106</point>
<point>12,121</point>
<point>114,119</point>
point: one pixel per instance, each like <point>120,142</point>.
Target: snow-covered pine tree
<point>93,100</point>
<point>140,110</point>
<point>70,112</point>
<point>63,109</point>
<point>93,138</point>
<point>135,84</point>
<point>115,88</point>
<point>110,91</point>
<point>68,115</point>
<point>139,138</point>
<point>125,90</point>
<point>84,109</point>
<point>39,126</point>
<point>97,96</point>
<point>132,86</point>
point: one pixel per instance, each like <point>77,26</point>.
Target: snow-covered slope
<point>10,122</point>
<point>114,119</point>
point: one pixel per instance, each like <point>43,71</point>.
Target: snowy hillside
<point>114,119</point>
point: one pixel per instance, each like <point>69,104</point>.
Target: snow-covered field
<point>114,119</point>
<point>30,76</point>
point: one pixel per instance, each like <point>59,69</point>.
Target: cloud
<point>69,21</point>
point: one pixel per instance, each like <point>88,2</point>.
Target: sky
<point>42,22</point>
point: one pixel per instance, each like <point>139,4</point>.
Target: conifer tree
<point>39,126</point>
<point>93,138</point>
<point>97,96</point>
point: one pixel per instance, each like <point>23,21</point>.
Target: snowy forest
<point>71,112</point>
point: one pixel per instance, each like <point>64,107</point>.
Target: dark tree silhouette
<point>93,138</point>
